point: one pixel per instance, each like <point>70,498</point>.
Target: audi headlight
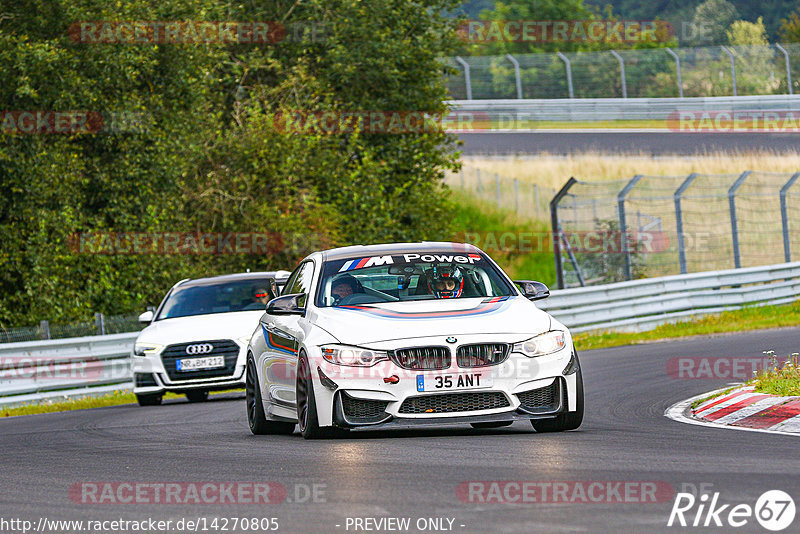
<point>353,356</point>
<point>145,349</point>
<point>543,344</point>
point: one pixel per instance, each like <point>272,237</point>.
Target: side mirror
<point>286,305</point>
<point>533,290</point>
<point>146,317</point>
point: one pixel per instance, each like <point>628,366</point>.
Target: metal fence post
<point>737,256</point>
<point>516,195</point>
<point>679,220</point>
<point>566,61</point>
<point>100,323</point>
<point>467,80</point>
<point>678,67</point>
<point>480,186</point>
<point>788,67</point>
<point>44,329</point>
<point>536,197</point>
<point>517,76</point>
<point>621,73</point>
<point>787,251</point>
<point>556,229</point>
<point>497,187</point>
<point>733,68</point>
<point>461,175</point>
<point>623,228</point>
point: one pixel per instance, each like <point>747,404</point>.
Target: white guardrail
<point>644,304</point>
<point>34,371</point>
<point>516,113</point>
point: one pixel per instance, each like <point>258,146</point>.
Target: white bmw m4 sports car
<point>408,334</point>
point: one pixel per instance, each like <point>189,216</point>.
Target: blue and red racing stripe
<point>487,306</point>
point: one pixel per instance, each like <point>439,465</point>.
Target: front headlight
<point>353,356</point>
<point>543,344</point>
<point>145,349</point>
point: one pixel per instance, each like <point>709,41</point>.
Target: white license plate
<point>453,381</point>
<point>193,364</point>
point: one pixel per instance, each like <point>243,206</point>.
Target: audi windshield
<point>405,277</point>
<point>241,295</point>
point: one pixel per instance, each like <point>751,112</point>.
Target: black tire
<point>197,395</point>
<point>153,399</point>
<point>493,424</point>
<point>307,420</point>
<point>256,419</point>
<point>566,421</point>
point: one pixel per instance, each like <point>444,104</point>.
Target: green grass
<point>781,380</point>
<point>749,318</point>
<point>115,398</point>
<point>508,239</point>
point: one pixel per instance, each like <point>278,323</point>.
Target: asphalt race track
<point>629,142</point>
<point>415,473</point>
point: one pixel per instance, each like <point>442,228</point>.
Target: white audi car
<point>416,333</point>
<point>196,341</point>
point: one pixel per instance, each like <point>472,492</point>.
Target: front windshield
<point>405,277</point>
<point>241,295</point>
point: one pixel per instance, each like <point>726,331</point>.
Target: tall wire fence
<point>650,73</point>
<point>526,199</point>
<point>661,225</point>
<point>102,324</point>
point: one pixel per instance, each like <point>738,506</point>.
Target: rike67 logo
<point>774,510</point>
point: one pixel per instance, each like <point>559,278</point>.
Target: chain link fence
<point>651,226</point>
<point>101,325</point>
<point>651,73</point>
<point>526,199</point>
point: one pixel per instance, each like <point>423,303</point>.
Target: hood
<point>369,323</point>
<point>233,325</point>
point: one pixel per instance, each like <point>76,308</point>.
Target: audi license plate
<point>193,364</point>
<point>454,381</point>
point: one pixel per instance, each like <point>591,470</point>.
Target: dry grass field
<point>552,171</point>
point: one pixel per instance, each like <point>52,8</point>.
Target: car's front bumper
<point>518,374</point>
<point>151,377</point>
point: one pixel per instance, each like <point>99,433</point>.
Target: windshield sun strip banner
<point>377,261</point>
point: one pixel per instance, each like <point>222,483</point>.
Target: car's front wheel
<point>565,421</point>
<point>307,420</point>
<point>256,419</point>
<point>153,399</point>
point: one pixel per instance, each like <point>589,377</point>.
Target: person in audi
<point>409,334</point>
<point>196,340</point>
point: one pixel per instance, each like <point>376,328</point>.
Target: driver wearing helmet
<point>344,286</point>
<point>446,281</point>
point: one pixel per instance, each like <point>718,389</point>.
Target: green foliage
<point>712,19</point>
<point>742,32</point>
<point>790,28</point>
<point>203,153</point>
<point>678,12</point>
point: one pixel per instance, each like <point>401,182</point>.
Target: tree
<point>742,32</point>
<point>711,21</point>
<point>790,28</point>
<point>204,154</point>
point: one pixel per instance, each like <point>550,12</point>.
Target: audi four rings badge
<point>200,348</point>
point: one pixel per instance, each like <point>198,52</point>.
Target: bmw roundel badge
<point>451,339</point>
